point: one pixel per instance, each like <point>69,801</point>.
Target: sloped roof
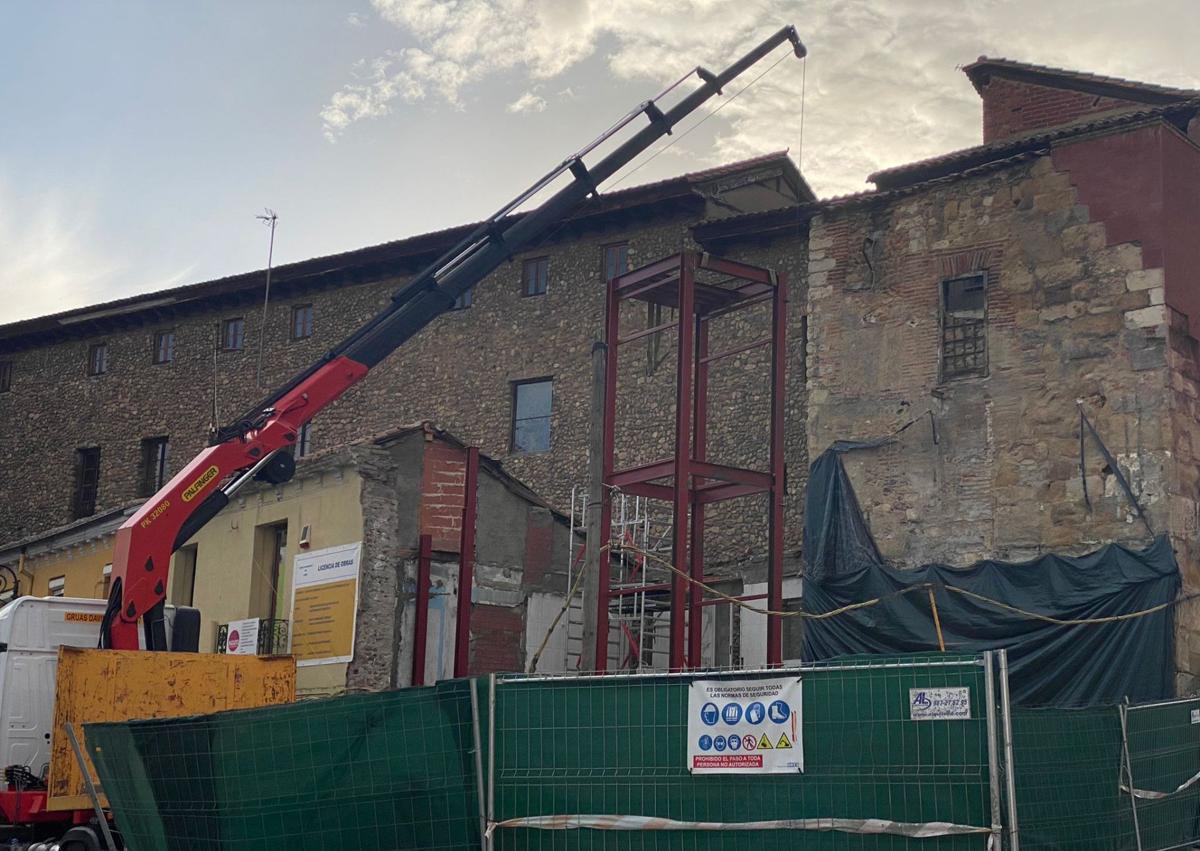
<point>981,70</point>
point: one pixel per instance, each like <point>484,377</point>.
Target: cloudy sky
<point>140,139</point>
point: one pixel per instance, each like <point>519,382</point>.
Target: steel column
<point>683,449</point>
<point>466,568</point>
<point>421,617</point>
<point>612,331</point>
<point>775,523</point>
<point>699,453</point>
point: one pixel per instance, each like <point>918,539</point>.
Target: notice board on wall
<point>324,604</point>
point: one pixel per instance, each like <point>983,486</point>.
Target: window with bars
<point>302,321</point>
<point>614,260</point>
<point>535,276</point>
<point>156,464</point>
<point>233,334</point>
<point>531,409</point>
<point>964,326</point>
<point>87,481</point>
<point>164,347</point>
<point>6,373</point>
<point>97,362</point>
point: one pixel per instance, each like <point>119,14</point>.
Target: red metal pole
<point>466,565</point>
<point>683,451</point>
<point>695,594</point>
<point>612,332</point>
<point>775,522</point>
<point>421,619</point>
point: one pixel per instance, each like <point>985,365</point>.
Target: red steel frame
<point>691,481</point>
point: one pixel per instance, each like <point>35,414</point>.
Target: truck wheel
<point>80,838</point>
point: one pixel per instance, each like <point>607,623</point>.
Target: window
<point>270,547</point>
<point>964,326</point>
<point>304,441</point>
<point>616,260</point>
<point>531,415</point>
<point>97,361</point>
<point>156,464</point>
<point>6,371</point>
<point>164,347</point>
<point>535,276</point>
<point>464,300</point>
<point>58,586</point>
<point>302,321</point>
<point>87,481</point>
<point>106,582</point>
<point>183,577</point>
<point>233,334</point>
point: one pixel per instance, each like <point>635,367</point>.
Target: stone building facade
<point>973,304</point>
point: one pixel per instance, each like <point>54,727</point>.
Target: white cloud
<point>49,261</point>
<point>528,102</point>
<point>356,19</point>
<point>882,86</point>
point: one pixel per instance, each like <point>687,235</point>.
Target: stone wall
<point>990,465</point>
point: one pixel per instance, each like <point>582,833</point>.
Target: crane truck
<point>254,446</point>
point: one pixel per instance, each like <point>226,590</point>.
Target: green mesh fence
<point>388,770</point>
<point>398,769</point>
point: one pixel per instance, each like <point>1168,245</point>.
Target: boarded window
<point>531,415</point>
<point>233,334</point>
<point>58,586</point>
<point>964,326</point>
<point>156,464</point>
<point>97,362</point>
<point>164,347</point>
<point>6,372</point>
<point>302,321</point>
<point>535,276</point>
<point>615,260</point>
<point>87,481</point>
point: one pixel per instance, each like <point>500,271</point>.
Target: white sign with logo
<point>745,727</point>
<point>242,637</point>
<point>939,704</point>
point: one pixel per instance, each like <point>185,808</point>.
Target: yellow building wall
<point>82,567</point>
<point>226,566</point>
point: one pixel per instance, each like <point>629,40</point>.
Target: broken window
<point>233,334</point>
<point>302,321</point>
<point>156,458</point>
<point>615,260</point>
<point>97,359</point>
<point>531,415</point>
<point>535,275</point>
<point>964,326</point>
<point>87,481</point>
<point>164,347</point>
<point>6,371</point>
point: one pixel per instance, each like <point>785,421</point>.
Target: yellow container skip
<point>123,685</point>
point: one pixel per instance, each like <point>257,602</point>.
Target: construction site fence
<point>600,762</point>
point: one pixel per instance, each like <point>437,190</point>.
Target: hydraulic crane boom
<point>250,447</point>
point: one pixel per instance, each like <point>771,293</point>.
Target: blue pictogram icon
<point>735,743</point>
<point>732,713</point>
<point>719,743</point>
<point>706,742</point>
<point>779,712</point>
<point>709,714</point>
<point>755,713</point>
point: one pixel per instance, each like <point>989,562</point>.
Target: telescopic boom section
<point>250,446</point>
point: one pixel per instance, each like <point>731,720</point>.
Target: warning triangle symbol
<point>783,742</point>
<point>764,744</point>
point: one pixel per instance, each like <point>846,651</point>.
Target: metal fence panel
<point>1163,740</point>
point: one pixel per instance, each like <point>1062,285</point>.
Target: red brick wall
<point>496,633</point>
<point>443,478</point>
<point>1011,108</point>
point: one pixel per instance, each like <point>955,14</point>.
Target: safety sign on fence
<point>745,727</point>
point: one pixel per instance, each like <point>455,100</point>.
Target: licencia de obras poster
<point>745,727</point>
